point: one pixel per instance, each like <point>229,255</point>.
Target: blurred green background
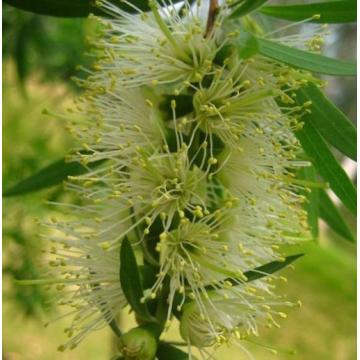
<point>40,55</point>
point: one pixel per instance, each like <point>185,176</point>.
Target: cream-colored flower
<point>199,167</point>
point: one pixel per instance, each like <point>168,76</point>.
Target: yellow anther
<point>212,161</point>
<point>198,77</point>
<point>149,103</point>
<point>282,315</point>
<point>61,348</point>
<point>105,245</point>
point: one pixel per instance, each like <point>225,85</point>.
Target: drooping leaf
<point>331,215</point>
<point>329,11</point>
<point>50,175</point>
<point>167,352</point>
<point>147,276</point>
<point>270,268</point>
<point>21,56</point>
<point>331,123</point>
<point>305,60</point>
<point>76,8</point>
<point>326,164</point>
<point>246,45</point>
<point>308,173</point>
<point>131,283</point>
<point>263,270</point>
<point>114,327</point>
<point>61,8</point>
<point>245,7</point>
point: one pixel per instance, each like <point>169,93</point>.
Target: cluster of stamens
<point>197,165</point>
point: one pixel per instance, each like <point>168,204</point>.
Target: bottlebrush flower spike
<point>199,172</point>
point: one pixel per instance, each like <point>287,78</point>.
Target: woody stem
<point>213,8</point>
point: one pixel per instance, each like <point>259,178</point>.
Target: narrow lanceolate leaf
<point>331,215</point>
<point>50,175</point>
<point>326,164</point>
<point>167,351</point>
<point>331,123</point>
<point>21,47</point>
<point>305,60</point>
<point>270,268</point>
<point>263,270</point>
<point>62,8</point>
<point>246,45</point>
<point>114,327</point>
<point>75,8</point>
<point>131,283</point>
<point>308,173</point>
<point>329,11</point>
<point>245,7</point>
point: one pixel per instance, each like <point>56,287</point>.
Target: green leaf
<point>326,164</point>
<point>131,283</point>
<point>76,8</point>
<point>330,12</point>
<point>21,53</point>
<point>114,327</point>
<point>305,60</point>
<point>331,215</point>
<point>263,270</point>
<point>50,175</point>
<point>246,7</point>
<point>331,123</point>
<point>147,276</point>
<point>62,8</point>
<point>246,45</point>
<point>270,268</point>
<point>308,173</point>
<point>167,351</point>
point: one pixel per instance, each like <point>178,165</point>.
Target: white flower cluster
<point>198,171</point>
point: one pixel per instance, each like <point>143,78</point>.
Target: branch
<point>213,8</point>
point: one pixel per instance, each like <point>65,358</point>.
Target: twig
<point>213,8</point>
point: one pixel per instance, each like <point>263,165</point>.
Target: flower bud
<point>193,329</point>
<point>138,344</point>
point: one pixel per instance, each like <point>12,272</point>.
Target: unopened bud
<point>190,324</point>
<point>138,344</point>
